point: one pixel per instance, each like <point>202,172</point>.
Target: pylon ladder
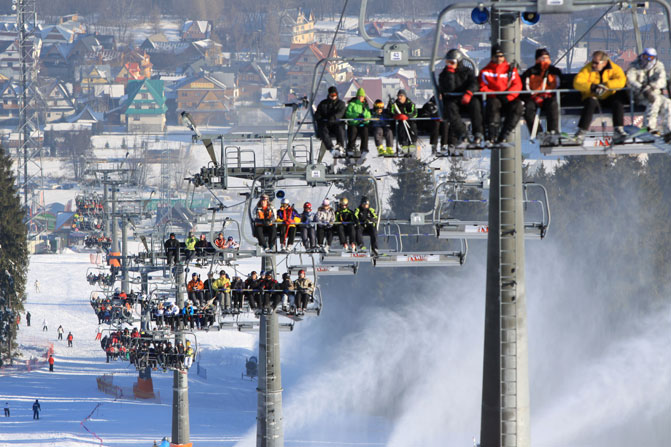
<point>508,304</point>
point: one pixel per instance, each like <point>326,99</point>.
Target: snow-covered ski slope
<point>76,413</point>
<point>223,407</point>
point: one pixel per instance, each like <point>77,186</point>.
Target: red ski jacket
<point>500,78</point>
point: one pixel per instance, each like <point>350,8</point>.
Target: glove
<point>510,98</point>
<point>599,89</point>
<point>403,117</point>
<point>537,99</point>
<point>466,99</point>
<point>451,69</point>
<point>649,93</point>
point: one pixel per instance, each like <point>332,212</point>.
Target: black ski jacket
<point>461,81</point>
<point>171,244</point>
<point>330,111</point>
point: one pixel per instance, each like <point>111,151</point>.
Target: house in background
<point>193,30</point>
<point>144,109</point>
<point>58,100</point>
<point>297,28</point>
<point>206,98</point>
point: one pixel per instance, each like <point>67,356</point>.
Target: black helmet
<point>454,55</point>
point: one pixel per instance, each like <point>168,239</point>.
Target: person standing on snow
<point>44,325</point>
<point>51,363</point>
<point>28,318</point>
<point>60,331</point>
<point>70,338</point>
<point>6,409</point>
<point>36,409</point>
<point>37,286</point>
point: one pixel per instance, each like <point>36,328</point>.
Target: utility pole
<point>269,420</point>
<point>505,384</point>
<point>180,384</point>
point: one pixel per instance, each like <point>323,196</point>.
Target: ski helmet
<point>307,206</point>
<point>364,201</point>
<point>301,271</point>
<point>650,52</point>
<point>454,55</point>
<point>344,201</point>
<point>285,201</point>
<point>326,202</point>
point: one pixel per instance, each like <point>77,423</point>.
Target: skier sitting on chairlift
<point>325,219</point>
<point>382,132</point>
<point>358,114</point>
<point>327,120</point>
<point>501,76</point>
<point>647,78</point>
<point>600,83</point>
<point>308,234</point>
<point>542,76</point>
<point>346,225</point>
<point>366,224</point>
<point>287,218</point>
<point>304,289</point>
<point>458,78</point>
<point>264,223</point>
<point>403,110</point>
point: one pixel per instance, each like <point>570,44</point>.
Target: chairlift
<point>536,218</point>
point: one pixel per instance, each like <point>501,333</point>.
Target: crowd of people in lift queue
<point>144,350</point>
<point>93,241</point>
<point>493,117</point>
<point>316,229</point>
<point>196,247</point>
<point>231,296</point>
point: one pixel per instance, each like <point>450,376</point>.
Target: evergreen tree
<point>13,256</point>
<point>414,190</point>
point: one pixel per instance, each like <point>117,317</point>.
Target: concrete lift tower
<point>505,416</point>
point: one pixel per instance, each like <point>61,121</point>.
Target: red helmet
<point>307,206</point>
<point>301,271</point>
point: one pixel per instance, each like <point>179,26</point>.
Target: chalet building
<point>302,62</point>
<point>90,76</point>
<point>55,62</point>
<point>297,28</point>
<point>58,101</point>
<point>144,109</point>
<point>9,57</point>
<point>207,99</point>
<point>9,101</point>
<point>193,30</point>
<point>56,34</point>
